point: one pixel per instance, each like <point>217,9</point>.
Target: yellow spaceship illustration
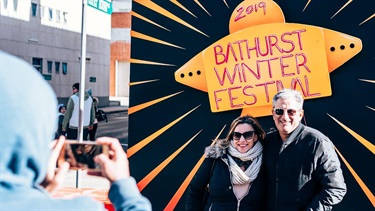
<point>262,55</point>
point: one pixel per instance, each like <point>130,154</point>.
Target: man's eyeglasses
<point>247,135</point>
<point>280,111</point>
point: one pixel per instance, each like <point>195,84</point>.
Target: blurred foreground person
<point>28,179</point>
<point>302,168</point>
<point>231,171</point>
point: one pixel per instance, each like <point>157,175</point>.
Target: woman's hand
<point>114,166</point>
<point>54,179</point>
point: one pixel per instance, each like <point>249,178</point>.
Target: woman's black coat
<point>221,195</point>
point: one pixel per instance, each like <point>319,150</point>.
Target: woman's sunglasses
<point>247,135</point>
<point>280,111</point>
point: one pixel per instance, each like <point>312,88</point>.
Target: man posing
<point>72,114</point>
<point>302,167</point>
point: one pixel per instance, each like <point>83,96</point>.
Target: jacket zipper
<point>277,186</point>
<point>248,190</point>
<point>277,181</point>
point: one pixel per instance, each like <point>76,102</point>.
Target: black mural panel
<point>170,123</point>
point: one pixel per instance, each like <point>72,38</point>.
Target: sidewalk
<point>86,181</point>
<point>114,109</point>
<point>91,186</point>
<point>123,105</point>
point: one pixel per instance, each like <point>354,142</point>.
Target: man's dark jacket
<point>306,175</point>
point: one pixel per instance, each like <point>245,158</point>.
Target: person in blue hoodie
<point>61,108</point>
<point>28,177</point>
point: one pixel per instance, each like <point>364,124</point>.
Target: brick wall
<point>120,50</point>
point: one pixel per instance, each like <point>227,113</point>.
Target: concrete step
<point>114,103</point>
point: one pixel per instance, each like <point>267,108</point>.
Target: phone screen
<point>80,155</point>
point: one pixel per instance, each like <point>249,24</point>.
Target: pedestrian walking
<point>92,132</point>
<point>71,119</point>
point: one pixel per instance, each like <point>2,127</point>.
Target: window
<point>93,79</point>
<point>57,67</point>
<point>15,5</point>
<point>49,66</point>
<point>50,13</point>
<point>33,9</point>
<point>38,64</point>
<point>5,4</point>
<point>65,16</point>
<point>58,16</point>
<point>65,67</point>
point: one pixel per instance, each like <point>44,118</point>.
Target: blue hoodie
<point>27,125</point>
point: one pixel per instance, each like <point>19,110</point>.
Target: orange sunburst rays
<point>369,81</point>
<point>134,149</point>
<point>360,182</point>
<point>182,7</point>
<point>152,39</point>
<point>372,16</point>
<point>139,61</point>
<point>365,80</point>
<point>346,4</point>
<point>147,179</point>
<point>198,3</point>
<point>177,196</point>
<point>370,108</point>
<point>151,5</point>
<point>362,140</point>
<point>139,107</point>
<point>148,20</point>
<point>142,82</point>
<point>370,147</point>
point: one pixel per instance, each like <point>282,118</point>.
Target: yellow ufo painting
<point>262,55</point>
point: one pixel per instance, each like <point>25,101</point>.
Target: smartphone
<point>80,155</point>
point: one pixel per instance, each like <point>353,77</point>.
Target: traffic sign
<point>102,5</point>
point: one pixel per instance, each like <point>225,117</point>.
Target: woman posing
<point>231,171</point>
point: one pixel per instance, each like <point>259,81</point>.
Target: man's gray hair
<point>289,94</point>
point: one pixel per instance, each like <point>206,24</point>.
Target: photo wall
<point>197,65</point>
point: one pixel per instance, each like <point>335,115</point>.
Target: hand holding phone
<point>80,155</point>
<point>115,164</point>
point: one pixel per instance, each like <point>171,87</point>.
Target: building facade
<point>120,51</point>
<point>47,34</point>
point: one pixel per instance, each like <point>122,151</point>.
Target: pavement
<point>85,181</point>
<point>114,109</point>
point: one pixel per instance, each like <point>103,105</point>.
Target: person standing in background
<point>302,168</point>
<point>95,102</point>
<point>72,114</point>
<point>61,108</point>
<point>92,132</point>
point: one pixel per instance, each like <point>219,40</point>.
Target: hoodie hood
<point>26,129</point>
<point>85,95</point>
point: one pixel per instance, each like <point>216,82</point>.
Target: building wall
<point>54,35</point>
<point>120,45</point>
